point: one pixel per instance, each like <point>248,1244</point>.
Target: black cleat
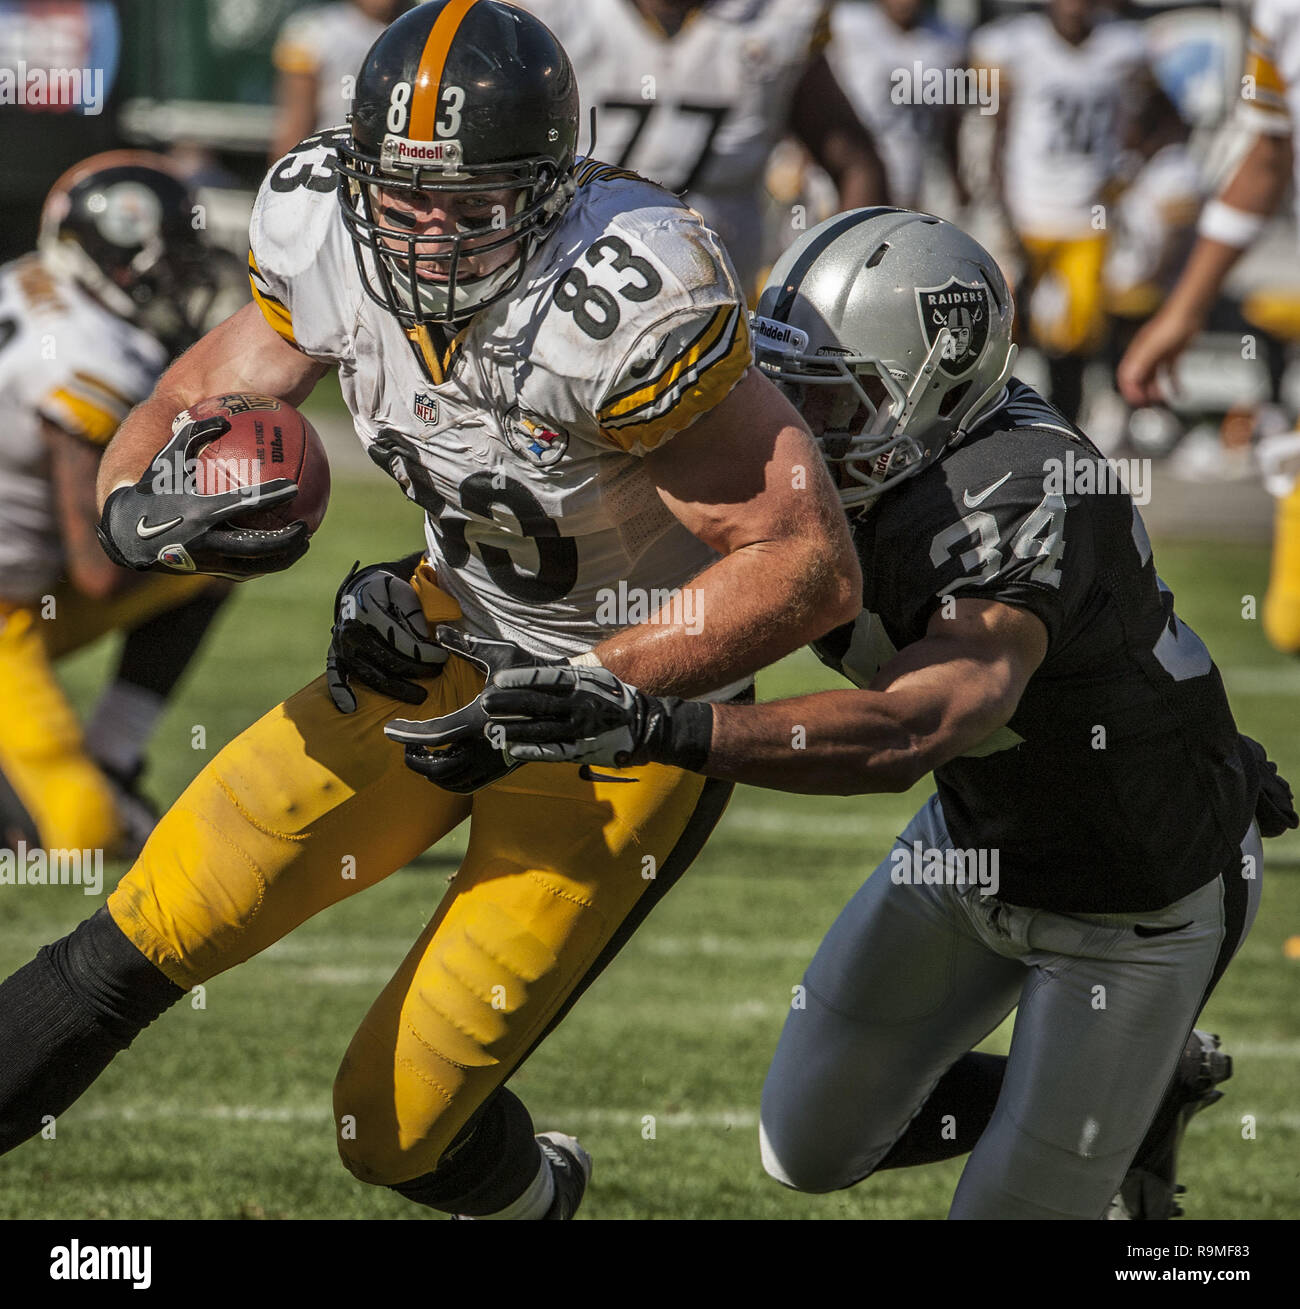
<point>1149,1191</point>
<point>571,1169</point>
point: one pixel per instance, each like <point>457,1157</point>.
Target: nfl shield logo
<point>963,308</point>
<point>426,407</point>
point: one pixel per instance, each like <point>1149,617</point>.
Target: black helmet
<point>121,225</point>
<point>458,97</point>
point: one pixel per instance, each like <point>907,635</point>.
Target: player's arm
<point>935,700</point>
<point>939,698</point>
<point>824,120</point>
<point>242,354</point>
<point>747,480</point>
<point>1228,227</point>
<point>74,463</point>
<point>295,112</point>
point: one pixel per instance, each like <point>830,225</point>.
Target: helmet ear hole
<point>953,399</point>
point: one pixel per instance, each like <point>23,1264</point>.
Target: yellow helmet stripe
<point>433,59</point>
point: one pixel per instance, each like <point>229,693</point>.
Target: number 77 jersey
<point>522,437</point>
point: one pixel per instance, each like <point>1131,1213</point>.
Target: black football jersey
<point>1117,785</point>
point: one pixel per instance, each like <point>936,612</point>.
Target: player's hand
<point>1152,354</point>
<point>587,715</point>
<point>380,637</point>
<point>160,526</point>
<point>463,751</point>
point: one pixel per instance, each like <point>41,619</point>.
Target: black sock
<point>65,1015</point>
<point>490,1167</point>
<point>157,652</point>
<point>966,1095</point>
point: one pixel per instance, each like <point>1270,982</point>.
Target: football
<point>268,439</point>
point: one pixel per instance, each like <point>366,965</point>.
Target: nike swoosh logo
<point>588,776</point>
<point>972,500</point>
<point>143,531</point>
<point>1143,930</point>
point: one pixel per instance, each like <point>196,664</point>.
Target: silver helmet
<point>891,331</point>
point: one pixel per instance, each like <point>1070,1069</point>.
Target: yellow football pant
<point>41,749</point>
<point>1064,292</point>
<point>1282,603</point>
<point>309,806</point>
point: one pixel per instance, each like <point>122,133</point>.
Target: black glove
<point>1274,806</point>
<point>586,715</point>
<point>380,636</point>
<point>462,751</point>
<point>159,525</point>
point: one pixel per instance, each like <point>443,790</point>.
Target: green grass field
<point>224,1111</point>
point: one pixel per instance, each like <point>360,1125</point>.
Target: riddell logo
<point>780,336</point>
<point>402,150</point>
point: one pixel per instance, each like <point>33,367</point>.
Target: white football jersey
<point>1155,220</point>
<point>868,50</point>
<point>329,42</point>
<point>1270,89</point>
<point>698,112</point>
<point>522,442</point>
<point>1064,134</point>
<point>64,358</point>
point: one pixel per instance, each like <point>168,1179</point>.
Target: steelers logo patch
<point>963,308</point>
<point>536,439</point>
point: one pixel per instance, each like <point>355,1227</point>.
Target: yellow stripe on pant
<point>309,806</point>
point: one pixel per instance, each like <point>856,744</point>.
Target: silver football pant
<point>911,977</point>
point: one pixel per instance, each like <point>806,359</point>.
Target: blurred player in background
<point>876,41</point>
<point>1067,78</point>
<point>694,96</point>
<point>1153,228</point>
<point>316,57</point>
<point>1229,226</point>
<point>87,323</point>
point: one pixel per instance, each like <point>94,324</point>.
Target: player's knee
<point>786,1159</point>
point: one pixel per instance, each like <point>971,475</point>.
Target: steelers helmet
<point>121,225</point>
<point>456,98</point>
<point>892,329</point>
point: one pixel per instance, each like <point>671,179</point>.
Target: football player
<point>1229,225</point>
<point>872,44</point>
<point>551,357</point>
<point>317,54</point>
<point>695,94</point>
<point>1067,79</point>
<point>1092,852</point>
<point>87,322</point>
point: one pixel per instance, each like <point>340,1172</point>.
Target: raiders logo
<point>534,439</point>
<point>963,308</point>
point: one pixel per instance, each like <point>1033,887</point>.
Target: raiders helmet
<point>893,328</point>
<point>121,225</point>
<point>457,97</point>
